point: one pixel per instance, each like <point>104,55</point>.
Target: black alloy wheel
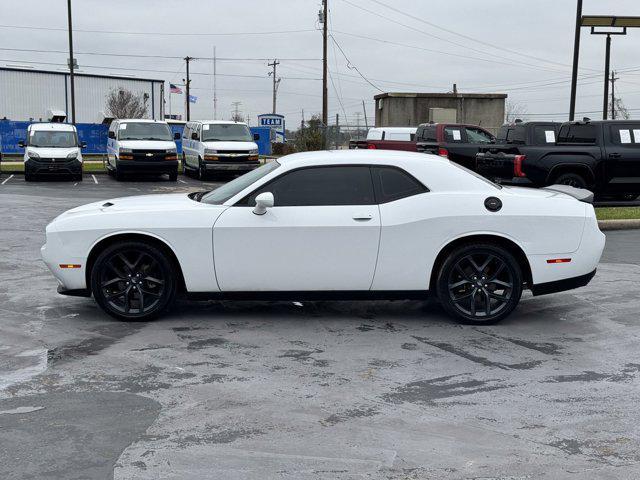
<point>480,284</point>
<point>571,179</point>
<point>133,281</point>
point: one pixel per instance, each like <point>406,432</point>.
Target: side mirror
<point>194,136</point>
<point>112,134</point>
<point>83,145</point>
<point>256,136</point>
<point>176,136</point>
<point>21,144</point>
<point>263,201</point>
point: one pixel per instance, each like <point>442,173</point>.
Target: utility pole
<point>606,79</point>
<point>613,95</point>
<point>276,82</point>
<point>576,55</point>
<point>187,85</point>
<point>71,65</point>
<point>236,110</point>
<point>337,129</point>
<point>366,124</point>
<point>215,93</point>
<point>325,101</point>
<point>357,124</point>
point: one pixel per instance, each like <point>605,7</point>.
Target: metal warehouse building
<point>412,109</point>
<point>27,94</point>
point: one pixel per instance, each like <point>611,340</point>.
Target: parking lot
<point>313,390</point>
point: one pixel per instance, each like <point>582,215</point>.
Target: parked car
<point>218,146</point>
<point>603,156</point>
<point>457,142</point>
<point>342,224</point>
<point>52,149</point>
<point>392,138</point>
<point>141,146</point>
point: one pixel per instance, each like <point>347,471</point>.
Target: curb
<point>609,225</point>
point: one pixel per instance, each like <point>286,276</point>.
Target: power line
<point>351,66</point>
<point>164,33</point>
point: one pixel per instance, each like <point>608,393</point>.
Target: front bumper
<point>139,166</point>
<point>60,166</point>
<point>231,166</point>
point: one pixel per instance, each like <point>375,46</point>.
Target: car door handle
<point>362,217</point>
<point>614,155</point>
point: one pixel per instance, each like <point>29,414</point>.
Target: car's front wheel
<point>133,281</point>
<point>479,284</point>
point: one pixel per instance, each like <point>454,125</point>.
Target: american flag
<point>174,88</point>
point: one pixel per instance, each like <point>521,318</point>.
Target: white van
<point>52,148</point>
<point>141,146</point>
<point>406,134</point>
<point>218,146</point>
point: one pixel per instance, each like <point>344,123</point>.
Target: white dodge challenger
<point>323,225</point>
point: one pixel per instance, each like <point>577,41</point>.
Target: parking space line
<point>182,181</point>
<point>7,179</point>
<point>94,179</point>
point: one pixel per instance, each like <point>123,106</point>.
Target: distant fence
<point>95,136</point>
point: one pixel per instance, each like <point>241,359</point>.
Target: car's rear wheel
<point>133,281</point>
<point>572,179</point>
<point>173,176</point>
<point>479,284</point>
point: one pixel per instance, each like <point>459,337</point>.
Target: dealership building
<point>30,95</point>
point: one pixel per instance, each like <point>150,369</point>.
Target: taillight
<point>517,166</point>
<point>371,146</point>
<point>443,152</point>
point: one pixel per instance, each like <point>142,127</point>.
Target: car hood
<point>147,144</point>
<point>49,152</point>
<point>241,146</point>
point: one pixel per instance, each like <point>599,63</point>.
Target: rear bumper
<point>562,285</point>
<point>161,166</point>
<point>231,166</point>
<point>61,167</point>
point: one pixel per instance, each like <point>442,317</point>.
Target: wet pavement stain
<point>543,347</point>
<point>353,413</point>
<point>428,392</point>
<point>628,373</point>
<point>219,435</point>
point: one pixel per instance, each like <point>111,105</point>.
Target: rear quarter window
<point>394,183</point>
<point>577,134</point>
<point>628,135</point>
<point>544,135</point>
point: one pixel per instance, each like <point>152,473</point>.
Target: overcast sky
<point>403,51</point>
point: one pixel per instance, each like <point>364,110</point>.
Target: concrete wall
<point>412,109</point>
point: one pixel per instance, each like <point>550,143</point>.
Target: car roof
<point>357,156</point>
<point>61,127</point>
<point>394,129</point>
<point>220,122</point>
<point>140,120</point>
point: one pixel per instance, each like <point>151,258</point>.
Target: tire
<point>117,174</point>
<point>126,274</point>
<point>202,173</point>
<point>78,177</point>
<point>28,177</point>
<point>476,272</point>
<point>173,176</point>
<point>571,179</point>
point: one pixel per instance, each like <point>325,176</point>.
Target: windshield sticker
<point>456,134</point>
<point>123,126</point>
<point>636,135</point>
<point>625,136</point>
<point>550,136</point>
<point>205,127</point>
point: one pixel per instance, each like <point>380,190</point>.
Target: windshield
<point>144,131</point>
<point>52,139</point>
<point>230,132</point>
<point>228,190</point>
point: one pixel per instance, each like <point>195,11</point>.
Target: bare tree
<point>513,111</point>
<point>123,103</point>
<point>622,112</point>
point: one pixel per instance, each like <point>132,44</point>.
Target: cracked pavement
<point>318,390</point>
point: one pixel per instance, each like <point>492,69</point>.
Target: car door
<point>322,234</point>
<point>622,161</point>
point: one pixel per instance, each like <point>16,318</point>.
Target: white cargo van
<point>52,148</point>
<point>218,146</point>
<point>142,146</point>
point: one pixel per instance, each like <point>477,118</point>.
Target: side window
<point>452,135</point>
<point>516,135</point>
<point>476,135</point>
<point>577,134</point>
<point>544,135</point>
<point>187,131</point>
<point>349,185</point>
<point>393,184</point>
<point>628,135</point>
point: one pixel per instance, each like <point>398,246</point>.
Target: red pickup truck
<point>388,138</point>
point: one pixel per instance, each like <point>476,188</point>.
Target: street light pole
<point>576,55</point>
<point>187,59</point>
<point>325,102</point>
<point>71,65</point>
<point>607,59</point>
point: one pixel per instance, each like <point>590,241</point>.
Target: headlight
<point>125,150</point>
<point>210,152</point>
<point>253,151</point>
<point>72,155</point>
<point>172,150</point>
<point>33,154</point>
